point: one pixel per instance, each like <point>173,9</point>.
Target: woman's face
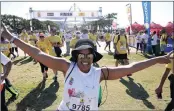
<point>84,60</point>
<point>41,38</point>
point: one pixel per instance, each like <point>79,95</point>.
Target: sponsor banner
<point>170,45</point>
<point>146,5</point>
<point>63,14</point>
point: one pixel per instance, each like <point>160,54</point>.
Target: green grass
<point>135,93</point>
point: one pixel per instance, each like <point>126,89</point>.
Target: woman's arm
<point>118,72</point>
<point>50,61</point>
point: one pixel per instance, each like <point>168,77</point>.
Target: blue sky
<point>161,12</point>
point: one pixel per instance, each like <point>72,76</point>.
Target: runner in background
<point>138,41</point>
<point>14,47</point>
<point>85,34</point>
<point>108,40</point>
<point>67,38</point>
<point>144,37</point>
<point>5,47</point>
<point>121,50</point>
<point>163,42</point>
<point>42,45</point>
<point>33,40</point>
<point>24,37</point>
<point>94,38</point>
<point>74,40</point>
<point>54,43</point>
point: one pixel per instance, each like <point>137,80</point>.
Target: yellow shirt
<point>93,37</point>
<point>163,36</point>
<point>73,42</point>
<point>42,46</point>
<point>24,37</point>
<point>108,37</point>
<point>32,42</point>
<point>5,48</point>
<point>170,65</point>
<point>121,45</point>
<point>89,35</point>
<point>52,41</point>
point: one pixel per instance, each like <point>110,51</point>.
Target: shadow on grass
<point>25,61</point>
<point>146,56</point>
<point>17,61</point>
<point>137,92</point>
<point>39,98</point>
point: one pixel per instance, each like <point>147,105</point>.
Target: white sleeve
<point>4,59</point>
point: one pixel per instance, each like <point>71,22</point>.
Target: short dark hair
<point>154,32</point>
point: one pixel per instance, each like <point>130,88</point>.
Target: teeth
<point>84,63</point>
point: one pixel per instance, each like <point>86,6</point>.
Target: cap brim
<point>82,47</point>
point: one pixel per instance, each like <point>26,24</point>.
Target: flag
<point>146,5</point>
<point>129,13</point>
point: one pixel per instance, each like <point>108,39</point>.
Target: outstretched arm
<point>118,72</point>
<point>50,61</point>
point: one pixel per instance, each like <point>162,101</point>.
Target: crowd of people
<point>156,40</point>
<point>82,73</point>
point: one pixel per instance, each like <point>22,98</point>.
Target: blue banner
<point>146,5</point>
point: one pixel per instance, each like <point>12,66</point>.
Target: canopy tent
<point>135,27</point>
<point>155,27</point>
<point>169,27</point>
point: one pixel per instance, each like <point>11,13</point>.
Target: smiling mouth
<point>85,63</point>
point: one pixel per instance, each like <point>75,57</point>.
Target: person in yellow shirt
<point>32,39</point>
<point>24,36</point>
<point>163,42</point>
<point>108,40</point>
<point>54,43</point>
<point>74,40</point>
<point>93,36</point>
<point>41,44</point>
<point>5,47</point>
<point>169,67</point>
<point>121,47</point>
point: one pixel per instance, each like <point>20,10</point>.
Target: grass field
<point>135,93</point>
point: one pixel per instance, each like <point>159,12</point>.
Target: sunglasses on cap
<point>83,56</point>
<point>41,36</point>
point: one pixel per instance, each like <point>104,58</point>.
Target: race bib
<point>122,48</point>
<point>79,104</point>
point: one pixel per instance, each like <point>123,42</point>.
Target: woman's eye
<point>81,56</point>
<point>90,56</point>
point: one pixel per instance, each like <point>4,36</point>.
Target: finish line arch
<point>74,13</point>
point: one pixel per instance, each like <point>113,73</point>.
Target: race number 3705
<point>81,107</point>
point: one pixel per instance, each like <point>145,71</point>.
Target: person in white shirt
<point>67,38</point>
<point>144,41</point>
<point>139,40</point>
<point>154,40</point>
<point>85,34</point>
<point>82,79</point>
<point>6,63</point>
<point>14,47</point>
